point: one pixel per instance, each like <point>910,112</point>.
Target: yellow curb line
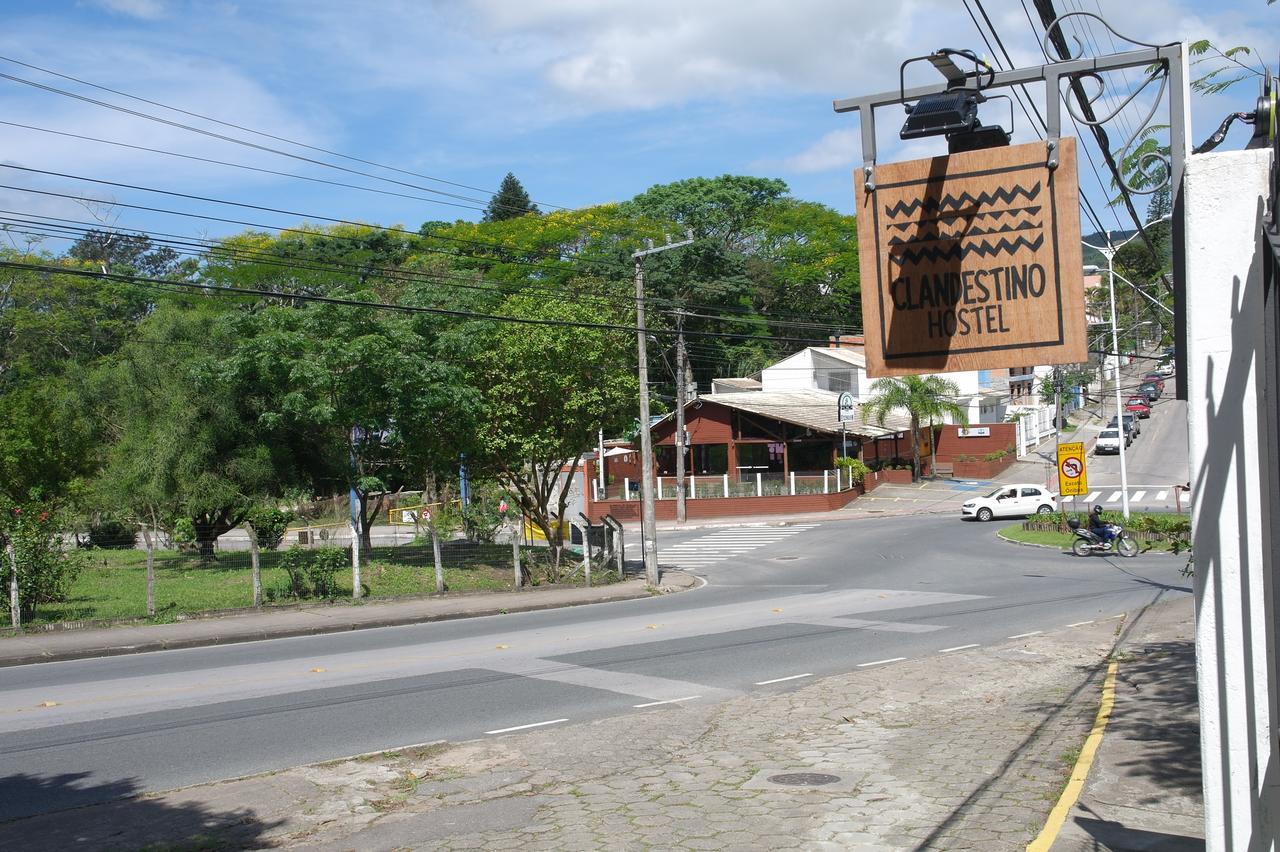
<point>1058,816</point>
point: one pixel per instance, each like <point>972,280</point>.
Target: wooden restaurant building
<point>757,452</point>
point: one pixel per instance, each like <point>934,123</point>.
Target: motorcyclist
<point>1099,527</point>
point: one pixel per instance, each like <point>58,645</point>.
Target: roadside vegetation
<point>1160,531</point>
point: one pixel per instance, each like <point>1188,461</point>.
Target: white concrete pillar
<point>1231,460</point>
<point>726,485</point>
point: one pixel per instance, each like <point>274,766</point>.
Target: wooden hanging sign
<point>972,261</point>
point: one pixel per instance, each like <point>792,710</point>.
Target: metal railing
<point>724,485</point>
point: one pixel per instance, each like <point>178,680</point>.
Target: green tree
<point>726,208</point>
<point>185,442</point>
<point>509,202</point>
<point>360,394</point>
<point>547,389</point>
<point>921,397</point>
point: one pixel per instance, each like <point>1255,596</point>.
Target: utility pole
<point>1110,252</point>
<point>1057,425</point>
<point>648,519</point>
<point>681,373</point>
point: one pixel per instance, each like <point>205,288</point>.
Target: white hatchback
<point>1009,501</point>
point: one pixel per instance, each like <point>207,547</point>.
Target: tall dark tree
<point>510,202</point>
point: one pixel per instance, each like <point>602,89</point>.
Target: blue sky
<point>586,101</point>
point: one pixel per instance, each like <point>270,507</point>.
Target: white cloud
<point>837,149</point>
<point>147,10</point>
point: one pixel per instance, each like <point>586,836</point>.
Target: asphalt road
<point>781,606</point>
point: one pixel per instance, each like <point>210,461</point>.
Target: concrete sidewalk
<point>338,617</point>
<point>1144,788</point>
<point>962,749</point>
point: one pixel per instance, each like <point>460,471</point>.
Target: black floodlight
<point>981,136</point>
<point>953,113</point>
<point>944,113</point>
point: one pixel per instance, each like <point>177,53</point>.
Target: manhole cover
<point>803,779</point>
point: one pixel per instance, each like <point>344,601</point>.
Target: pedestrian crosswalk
<point>1141,494</point>
<point>718,546</point>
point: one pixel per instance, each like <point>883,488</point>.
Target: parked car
<point>1138,405</point>
<point>1149,390</point>
<point>1010,501</point>
<point>1155,379</point>
<point>1166,369</point>
<point>1108,442</point>
<point>1131,425</point>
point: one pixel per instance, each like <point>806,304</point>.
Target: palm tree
<point>921,396</point>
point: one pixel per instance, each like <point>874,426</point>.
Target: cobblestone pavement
<point>966,750</point>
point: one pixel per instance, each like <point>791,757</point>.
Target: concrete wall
<point>793,373</point>
<point>1231,465</point>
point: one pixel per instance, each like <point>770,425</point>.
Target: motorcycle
<point>1087,542</point>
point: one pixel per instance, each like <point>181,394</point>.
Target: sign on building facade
<point>972,261</point>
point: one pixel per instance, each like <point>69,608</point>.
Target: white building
<point>987,396</point>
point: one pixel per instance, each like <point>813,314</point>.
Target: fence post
<point>15,609</point>
<point>838,489</point>
<point>515,560</point>
<point>435,553</point>
<point>759,485</point>
<point>793,483</point>
<point>726,485</point>
<point>255,567</point>
<point>693,487</point>
<point>659,487</point>
<point>586,553</point>
<point>824,482</point>
<point>626,488</point>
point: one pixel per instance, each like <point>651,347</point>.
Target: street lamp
<point>1109,252</point>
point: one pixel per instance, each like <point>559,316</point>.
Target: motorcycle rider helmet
<point>1096,512</point>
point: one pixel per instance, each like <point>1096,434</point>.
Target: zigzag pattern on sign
<point>934,237</point>
<point>948,218</point>
<point>963,200</point>
<point>959,252</point>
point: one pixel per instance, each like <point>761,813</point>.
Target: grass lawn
<point>1051,538</point>
<point>115,583</point>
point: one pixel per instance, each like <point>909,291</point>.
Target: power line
<point>234,140</point>
<point>243,254</point>
<point>362,303</point>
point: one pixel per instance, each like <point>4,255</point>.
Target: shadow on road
<point>118,818</point>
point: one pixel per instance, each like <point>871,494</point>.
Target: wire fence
<point>111,580</point>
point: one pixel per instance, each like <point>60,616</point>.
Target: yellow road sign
<point>1073,480</point>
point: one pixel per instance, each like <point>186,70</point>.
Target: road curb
<point>673,581</point>
<point>1000,534</point>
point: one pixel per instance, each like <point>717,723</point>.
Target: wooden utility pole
<point>682,369</point>
<point>648,519</point>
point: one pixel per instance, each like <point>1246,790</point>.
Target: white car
<point>1109,441</point>
<point>1009,501</point>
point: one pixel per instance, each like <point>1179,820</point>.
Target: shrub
<point>965,457</point>
<point>46,569</point>
<point>855,468</point>
<point>270,525</point>
<point>312,573</point>
<point>111,534</point>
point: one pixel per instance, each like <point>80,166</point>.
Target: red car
<point>1138,405</point>
<point>1156,379</point>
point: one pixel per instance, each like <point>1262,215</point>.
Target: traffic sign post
<point>1073,480</point>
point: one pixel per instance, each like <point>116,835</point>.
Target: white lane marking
<point>1115,495</point>
<point>526,727</point>
<point>1161,495</point>
<point>668,701</point>
<point>1138,495</point>
<point>881,662</point>
<point>1093,497</point>
<point>781,679</point>
<point>1025,635</point>
<point>1080,624</point>
<point>958,648</point>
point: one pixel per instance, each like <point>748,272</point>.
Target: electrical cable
<point>361,303</point>
<point>260,133</point>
